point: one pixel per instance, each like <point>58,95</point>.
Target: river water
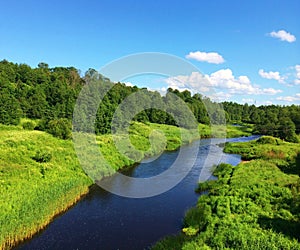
<point>102,220</point>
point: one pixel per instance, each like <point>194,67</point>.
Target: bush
<point>205,186</point>
<point>29,125</point>
<point>222,170</point>
<point>190,231</point>
<point>267,140</point>
<point>60,128</point>
<point>42,156</point>
<point>42,124</point>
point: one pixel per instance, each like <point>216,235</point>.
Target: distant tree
<point>286,130</point>
<point>10,111</point>
<point>36,103</point>
<point>43,65</point>
<point>255,117</point>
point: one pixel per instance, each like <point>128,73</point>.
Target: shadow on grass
<point>286,227</point>
<point>294,167</point>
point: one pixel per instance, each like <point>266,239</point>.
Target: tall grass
<point>31,191</point>
<point>221,131</point>
<point>255,205</point>
<point>40,175</point>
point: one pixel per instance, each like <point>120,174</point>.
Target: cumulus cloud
<point>224,79</point>
<point>248,100</point>
<point>195,82</point>
<point>267,103</point>
<point>294,98</point>
<point>220,96</point>
<point>210,57</point>
<point>283,36</point>
<point>271,75</point>
<point>222,82</point>
<point>129,84</point>
<point>297,80</point>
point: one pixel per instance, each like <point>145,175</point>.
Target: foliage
<point>60,128</point>
<point>278,121</point>
<point>239,130</point>
<point>50,94</point>
<point>40,175</point>
<point>268,140</point>
<point>252,206</point>
<point>190,231</point>
<point>42,156</point>
<point>28,125</point>
<point>10,112</point>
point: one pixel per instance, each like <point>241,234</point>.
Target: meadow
<point>40,175</point>
<point>255,205</point>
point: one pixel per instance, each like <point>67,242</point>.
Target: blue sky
<point>255,44</point>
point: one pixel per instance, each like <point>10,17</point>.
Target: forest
<point>48,95</point>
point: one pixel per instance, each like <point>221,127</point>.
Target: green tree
<point>286,130</point>
<point>10,111</point>
<point>60,128</point>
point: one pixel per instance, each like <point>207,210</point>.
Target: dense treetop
<point>49,95</point>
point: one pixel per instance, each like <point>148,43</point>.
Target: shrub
<point>205,186</point>
<point>29,125</point>
<point>42,156</point>
<point>267,140</point>
<point>190,231</point>
<point>60,128</point>
<point>42,125</point>
<point>222,170</point>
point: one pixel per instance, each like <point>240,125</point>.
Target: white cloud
<point>195,82</point>
<point>129,84</point>
<point>283,36</point>
<point>267,103</point>
<point>162,90</point>
<point>271,75</point>
<point>221,84</point>
<point>248,100</point>
<point>270,91</point>
<point>294,98</point>
<point>297,80</point>
<point>224,79</point>
<point>220,96</point>
<point>210,57</point>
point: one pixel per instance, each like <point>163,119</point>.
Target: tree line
<point>274,120</point>
<point>49,96</point>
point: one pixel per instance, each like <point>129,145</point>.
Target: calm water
<point>102,220</point>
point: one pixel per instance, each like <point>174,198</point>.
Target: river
<point>102,220</point>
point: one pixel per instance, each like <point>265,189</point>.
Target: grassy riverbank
<point>255,205</point>
<point>40,175</point>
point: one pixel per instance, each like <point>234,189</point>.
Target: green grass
<point>238,131</point>
<point>268,148</point>
<point>221,131</point>
<point>255,205</point>
<point>40,175</point>
<point>32,192</point>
